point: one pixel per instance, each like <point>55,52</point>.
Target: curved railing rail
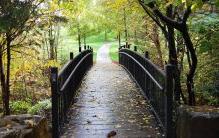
<point>64,85</point>
<point>156,84</point>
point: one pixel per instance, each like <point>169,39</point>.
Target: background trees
<point>17,17</point>
<point>176,17</point>
<point>35,34</point>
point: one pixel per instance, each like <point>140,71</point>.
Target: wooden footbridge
<point>131,99</point>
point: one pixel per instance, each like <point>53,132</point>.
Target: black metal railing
<point>156,84</point>
<point>64,84</point>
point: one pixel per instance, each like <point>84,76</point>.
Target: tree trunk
<point>119,37</point>
<point>6,109</point>
<point>126,31</point>
<point>79,35</point>
<point>7,94</point>
<point>193,66</point>
<point>136,39</point>
<point>85,40</point>
<point>173,54</point>
<point>57,42</point>
<point>105,35</point>
<point>52,51</point>
<point>51,44</point>
<point>157,45</point>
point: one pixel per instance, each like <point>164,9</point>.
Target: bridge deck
<point>107,101</point>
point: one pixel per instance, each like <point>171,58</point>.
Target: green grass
<point>69,44</point>
<point>95,46</point>
<point>101,37</point>
<point>114,52</point>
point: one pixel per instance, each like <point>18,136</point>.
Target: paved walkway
<point>109,103</point>
<point>103,54</point>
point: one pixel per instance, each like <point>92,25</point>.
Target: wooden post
<point>129,46</point>
<point>55,104</point>
<point>79,49</point>
<point>135,48</point>
<point>71,55</point>
<point>169,90</point>
<point>88,47</point>
<point>146,54</point>
<point>119,37</point>
<point>85,47</point>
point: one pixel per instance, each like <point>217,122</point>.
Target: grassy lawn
<point>69,44</point>
<point>114,52</point>
<point>96,46</point>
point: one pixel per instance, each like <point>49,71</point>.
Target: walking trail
<point>108,102</point>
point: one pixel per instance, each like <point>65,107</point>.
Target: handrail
<point>146,60</point>
<point>156,85</point>
<point>154,80</point>
<point>69,65</point>
<point>64,85</point>
<point>65,66</point>
<point>72,73</point>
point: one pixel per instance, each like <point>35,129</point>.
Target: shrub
<point>40,107</point>
<point>20,107</point>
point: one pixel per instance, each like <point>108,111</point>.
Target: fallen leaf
<point>88,122</point>
<point>111,134</point>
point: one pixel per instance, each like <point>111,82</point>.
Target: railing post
<point>71,55</point>
<point>169,100</point>
<point>85,47</point>
<point>119,56</point>
<point>146,54</point>
<point>135,48</point>
<point>79,48</point>
<point>128,46</point>
<point>88,47</point>
<point>55,103</point>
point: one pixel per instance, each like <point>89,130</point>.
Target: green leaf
<point>205,46</point>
